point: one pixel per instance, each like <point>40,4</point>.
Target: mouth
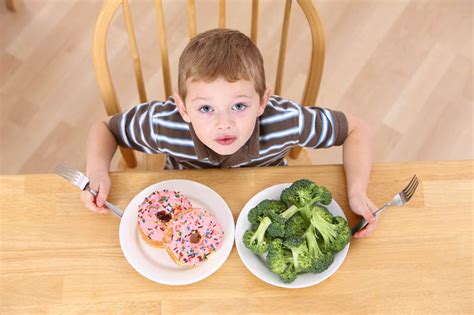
<point>226,140</point>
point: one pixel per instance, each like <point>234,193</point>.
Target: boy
<point>224,116</point>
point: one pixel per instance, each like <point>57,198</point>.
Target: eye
<point>205,109</point>
<point>239,107</point>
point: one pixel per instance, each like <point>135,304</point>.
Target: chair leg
<point>10,4</point>
<point>303,159</point>
<point>295,152</point>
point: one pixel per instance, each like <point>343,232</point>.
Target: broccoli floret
<point>303,194</point>
<point>325,214</point>
<point>344,233</point>
<point>275,206</point>
<point>257,213</point>
<point>335,234</point>
<point>324,195</point>
<point>300,193</point>
<point>302,259</point>
<point>321,261</point>
<point>280,261</point>
<point>288,276</point>
<point>277,228</point>
<point>256,240</point>
<point>296,226</point>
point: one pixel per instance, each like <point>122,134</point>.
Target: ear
<point>264,101</point>
<point>182,109</point>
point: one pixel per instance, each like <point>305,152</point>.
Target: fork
<point>398,200</point>
<point>81,181</point>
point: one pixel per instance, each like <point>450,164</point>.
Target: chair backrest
<point>101,65</point>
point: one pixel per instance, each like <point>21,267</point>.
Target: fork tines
<point>411,187</point>
<point>65,171</point>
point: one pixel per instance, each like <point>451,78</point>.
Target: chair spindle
<point>134,51</point>
<point>254,22</point>
<point>282,51</point>
<point>191,18</point>
<point>165,64</point>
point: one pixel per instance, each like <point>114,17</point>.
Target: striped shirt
<point>157,127</point>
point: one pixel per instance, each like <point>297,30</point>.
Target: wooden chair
<point>106,85</point>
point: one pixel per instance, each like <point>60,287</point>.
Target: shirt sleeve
<point>134,128</point>
<point>321,127</point>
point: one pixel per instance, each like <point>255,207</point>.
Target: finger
<point>367,230</point>
<point>371,206</point>
<point>367,214</point>
<point>102,194</point>
<point>88,199</point>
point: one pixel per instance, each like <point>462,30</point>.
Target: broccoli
<point>257,213</point>
<point>344,233</point>
<point>325,214</point>
<point>299,194</point>
<point>277,228</point>
<point>321,261</point>
<point>335,234</point>
<point>296,226</point>
<point>288,276</point>
<point>256,240</point>
<point>303,261</point>
<point>280,261</point>
<point>303,194</point>
<point>324,195</point>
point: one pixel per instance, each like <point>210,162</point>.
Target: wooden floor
<point>403,66</point>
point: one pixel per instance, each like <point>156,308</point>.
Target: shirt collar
<point>249,150</point>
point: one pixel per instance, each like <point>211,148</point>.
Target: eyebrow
<point>199,98</point>
<point>207,99</point>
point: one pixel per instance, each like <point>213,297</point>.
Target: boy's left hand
<point>362,205</point>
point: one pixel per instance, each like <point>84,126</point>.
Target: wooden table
<point>58,257</point>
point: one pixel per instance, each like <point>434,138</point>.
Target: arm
<point>101,146</point>
<point>357,157</point>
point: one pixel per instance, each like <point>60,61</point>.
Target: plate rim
<point>240,246</point>
<point>202,276</point>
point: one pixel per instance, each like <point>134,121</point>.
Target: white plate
<point>154,263</point>
<point>256,264</point>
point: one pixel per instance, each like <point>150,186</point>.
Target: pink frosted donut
<point>156,211</point>
<point>192,236</point>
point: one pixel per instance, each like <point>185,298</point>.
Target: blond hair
<point>221,53</point>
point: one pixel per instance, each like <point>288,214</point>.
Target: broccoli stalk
<point>280,261</point>
<point>302,260</point>
<point>335,234</point>
<point>255,240</point>
<point>321,261</point>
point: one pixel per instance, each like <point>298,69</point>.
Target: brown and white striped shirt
<point>157,127</point>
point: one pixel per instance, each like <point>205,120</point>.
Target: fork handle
<point>359,226</point>
<point>116,210</point>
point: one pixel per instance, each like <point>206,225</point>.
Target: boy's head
<point>221,88</point>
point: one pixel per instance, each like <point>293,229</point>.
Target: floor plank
<point>403,66</point>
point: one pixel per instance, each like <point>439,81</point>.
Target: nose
<point>224,121</point>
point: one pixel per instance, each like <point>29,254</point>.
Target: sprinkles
<point>156,210</point>
<point>185,227</point>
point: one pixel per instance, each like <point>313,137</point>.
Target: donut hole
<point>195,237</point>
<point>163,216</point>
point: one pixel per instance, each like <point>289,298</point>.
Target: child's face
<point>223,114</point>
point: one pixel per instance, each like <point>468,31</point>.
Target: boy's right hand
<point>100,182</point>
